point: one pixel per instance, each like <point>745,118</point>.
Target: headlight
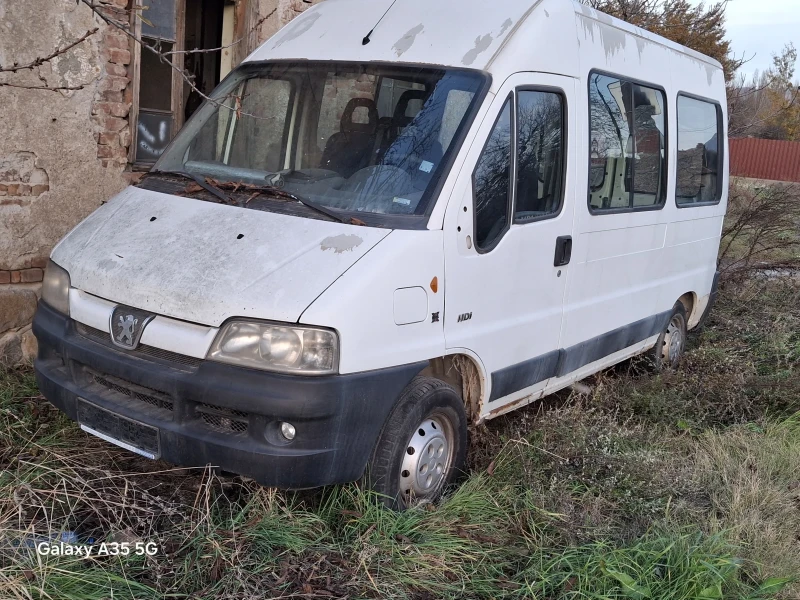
<point>283,348</point>
<point>55,287</point>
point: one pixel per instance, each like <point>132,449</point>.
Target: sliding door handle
<point>563,250</point>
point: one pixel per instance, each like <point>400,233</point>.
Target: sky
<point>761,28</point>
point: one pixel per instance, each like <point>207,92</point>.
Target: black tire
<point>423,403</point>
<point>669,348</point>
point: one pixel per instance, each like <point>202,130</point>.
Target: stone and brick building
<point>80,127</point>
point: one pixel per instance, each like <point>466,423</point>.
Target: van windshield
<point>357,138</point>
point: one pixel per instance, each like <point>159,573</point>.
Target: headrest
<point>347,116</point>
<point>400,118</point>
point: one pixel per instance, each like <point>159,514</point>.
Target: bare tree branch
<point>61,88</point>
<point>38,62</point>
<point>761,224</point>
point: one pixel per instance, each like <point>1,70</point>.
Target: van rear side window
<point>699,154</point>
<point>628,154</point>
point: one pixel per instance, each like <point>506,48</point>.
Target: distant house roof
<point>765,159</point>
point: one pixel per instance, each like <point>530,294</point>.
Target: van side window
<point>491,183</point>
<point>699,155</point>
<point>540,155</point>
<point>627,147</point>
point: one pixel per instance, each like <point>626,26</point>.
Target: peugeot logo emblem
<point>127,325</point>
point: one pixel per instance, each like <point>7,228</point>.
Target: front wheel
<point>667,352</point>
<point>422,447</point>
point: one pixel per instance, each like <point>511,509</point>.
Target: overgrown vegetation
<point>683,485</point>
<point>761,228</point>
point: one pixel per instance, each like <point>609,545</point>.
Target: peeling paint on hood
<point>204,262</point>
<point>341,243</point>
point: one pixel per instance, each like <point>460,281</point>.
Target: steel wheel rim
<point>427,458</point>
<point>672,347</point>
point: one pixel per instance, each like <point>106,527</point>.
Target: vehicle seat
<point>348,150</point>
<point>400,119</point>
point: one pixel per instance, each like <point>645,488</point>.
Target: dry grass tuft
<point>679,486</point>
<point>752,477</point>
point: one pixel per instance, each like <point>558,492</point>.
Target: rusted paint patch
<point>482,42</point>
<point>405,42</point>
<point>343,242</point>
<point>510,406</point>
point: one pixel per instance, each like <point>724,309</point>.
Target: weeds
<point>682,485</point>
<point>761,229</point>
<point>588,503</point>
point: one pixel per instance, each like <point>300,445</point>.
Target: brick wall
<point>113,95</point>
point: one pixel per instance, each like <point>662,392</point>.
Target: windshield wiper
<point>203,184</point>
<point>256,190</point>
<point>281,193</point>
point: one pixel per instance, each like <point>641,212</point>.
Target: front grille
<point>226,420</point>
<point>132,391</point>
<point>223,419</point>
<point>142,351</point>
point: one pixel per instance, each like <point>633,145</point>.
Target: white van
<point>386,226</point>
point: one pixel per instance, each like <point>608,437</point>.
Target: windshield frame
<point>386,220</point>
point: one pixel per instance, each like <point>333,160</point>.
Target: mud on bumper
<point>222,415</point>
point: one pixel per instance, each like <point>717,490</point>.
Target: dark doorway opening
<point>203,31</point>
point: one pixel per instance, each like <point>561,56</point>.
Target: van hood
<point>204,262</point>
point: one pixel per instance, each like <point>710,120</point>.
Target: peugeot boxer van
<point>391,220</point>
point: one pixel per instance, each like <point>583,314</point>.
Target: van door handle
<point>563,250</point>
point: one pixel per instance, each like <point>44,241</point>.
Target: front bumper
<point>222,415</point>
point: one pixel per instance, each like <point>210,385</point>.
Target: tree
<point>782,95</point>
<point>768,106</point>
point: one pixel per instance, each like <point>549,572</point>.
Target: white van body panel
<point>632,265</point>
<point>196,264</point>
<point>190,263</point>
<point>513,295</point>
<point>361,305</point>
<point>462,34</point>
<point>162,332</point>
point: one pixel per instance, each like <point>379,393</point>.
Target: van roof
<point>455,33</point>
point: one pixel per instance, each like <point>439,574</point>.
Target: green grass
<point>683,485</point>
<point>575,502</point>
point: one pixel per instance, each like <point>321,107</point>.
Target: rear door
<point>508,237</point>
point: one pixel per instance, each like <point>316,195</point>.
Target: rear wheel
<point>667,352</point>
<point>422,447</point>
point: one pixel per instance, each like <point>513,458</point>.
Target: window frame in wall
<point>720,149</point>
<point>176,81</point>
<point>664,163</point>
